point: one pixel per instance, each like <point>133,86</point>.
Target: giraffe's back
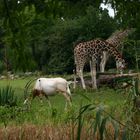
<point>89,48</point>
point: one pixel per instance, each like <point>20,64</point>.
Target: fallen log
<point>111,79</point>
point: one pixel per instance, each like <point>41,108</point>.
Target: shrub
<point>7,97</point>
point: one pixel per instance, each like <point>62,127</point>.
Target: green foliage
<point>16,38</point>
<point>7,97</point>
<point>131,111</point>
<point>132,54</point>
<point>1,66</point>
<point>97,120</point>
<point>8,113</point>
<point>125,9</point>
<point>40,35</point>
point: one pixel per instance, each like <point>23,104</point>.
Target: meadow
<point>90,108</point>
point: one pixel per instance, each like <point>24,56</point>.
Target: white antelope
<point>51,86</point>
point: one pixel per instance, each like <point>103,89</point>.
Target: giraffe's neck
<point>120,62</point>
<point>113,51</point>
<point>117,38</point>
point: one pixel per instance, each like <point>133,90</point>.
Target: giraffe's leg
<point>93,73</point>
<point>119,66</point>
<point>103,61</point>
<point>82,79</point>
<point>74,85</point>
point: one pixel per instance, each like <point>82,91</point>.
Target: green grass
<point>91,111</point>
<point>40,113</point>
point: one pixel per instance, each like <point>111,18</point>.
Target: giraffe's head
<point>121,65</point>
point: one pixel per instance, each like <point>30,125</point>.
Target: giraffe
<point>89,51</point>
<point>116,39</point>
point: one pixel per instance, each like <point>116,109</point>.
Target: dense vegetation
<point>40,35</point>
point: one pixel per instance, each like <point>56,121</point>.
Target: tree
<point>125,9</point>
<point>40,34</point>
<point>17,17</point>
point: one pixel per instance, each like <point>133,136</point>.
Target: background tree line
<point>41,34</point>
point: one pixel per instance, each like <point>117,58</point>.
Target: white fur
<point>51,86</point>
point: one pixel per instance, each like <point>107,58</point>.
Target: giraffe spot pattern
<point>85,51</point>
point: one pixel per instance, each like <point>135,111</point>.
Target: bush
<point>7,97</point>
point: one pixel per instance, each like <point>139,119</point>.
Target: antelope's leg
<point>48,100</point>
<point>67,97</point>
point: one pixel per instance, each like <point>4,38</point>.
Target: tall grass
<point>7,97</point>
